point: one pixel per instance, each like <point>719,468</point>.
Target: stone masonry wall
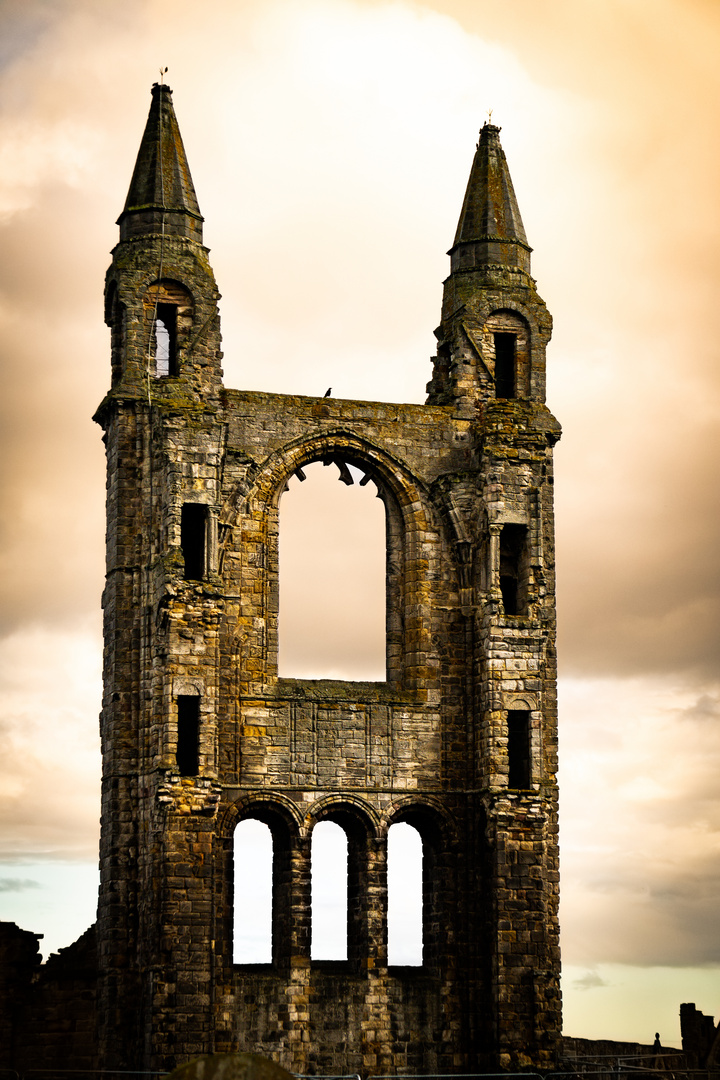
<point>199,732</point>
<point>294,752</point>
<point>47,1012</point>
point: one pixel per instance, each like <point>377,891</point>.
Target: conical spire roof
<point>490,229</point>
<point>161,195</point>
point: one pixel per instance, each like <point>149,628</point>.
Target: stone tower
<point>199,732</point>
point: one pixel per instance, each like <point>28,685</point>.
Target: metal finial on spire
<point>489,119</point>
<point>163,71</point>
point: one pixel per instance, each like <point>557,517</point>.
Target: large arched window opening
<point>329,890</point>
<point>332,550</point>
<point>405,895</point>
<point>253,893</point>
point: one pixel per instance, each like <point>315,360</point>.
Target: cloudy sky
<point>330,144</point>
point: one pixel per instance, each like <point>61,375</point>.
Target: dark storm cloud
<point>589,981</point>
<point>16,885</point>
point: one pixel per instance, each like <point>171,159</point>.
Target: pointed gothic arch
<point>365,865</point>
<point>410,519</point>
<point>282,819</point>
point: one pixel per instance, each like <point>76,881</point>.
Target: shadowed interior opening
<point>518,722</point>
<point>505,377</point>
<point>188,740</point>
<point>193,540</point>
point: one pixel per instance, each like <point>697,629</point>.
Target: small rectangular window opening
<point>505,365</point>
<point>188,739</point>
<point>165,340</point>
<point>518,729</point>
<point>193,540</point>
<point>514,569</point>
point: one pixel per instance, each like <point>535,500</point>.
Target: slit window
<point>514,569</point>
<point>193,540</point>
<point>117,340</point>
<point>518,733</point>
<point>253,893</point>
<point>188,734</point>
<point>405,895</point>
<point>329,877</point>
<point>505,375</point>
<point>165,340</point>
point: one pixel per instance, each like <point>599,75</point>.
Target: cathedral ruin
<point>199,732</point>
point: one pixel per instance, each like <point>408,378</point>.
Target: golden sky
<point>330,144</point>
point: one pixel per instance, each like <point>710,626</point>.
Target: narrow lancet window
<point>514,569</point>
<point>405,895</point>
<point>253,893</point>
<point>118,339</point>
<point>519,757</point>
<point>505,375</point>
<point>329,862</point>
<point>193,540</point>
<point>188,737</point>
<point>165,336</point>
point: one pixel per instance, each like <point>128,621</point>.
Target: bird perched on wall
<point>328,392</point>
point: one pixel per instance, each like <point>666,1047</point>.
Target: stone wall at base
<point>48,1015</point>
<point>700,1037</point>
<point>573,1049</point>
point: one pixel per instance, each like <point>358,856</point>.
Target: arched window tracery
<point>333,571</point>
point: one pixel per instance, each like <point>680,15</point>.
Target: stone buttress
<point>199,732</point>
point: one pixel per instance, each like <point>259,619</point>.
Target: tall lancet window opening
<point>165,340</point>
<point>169,314</point>
<point>405,895</point>
<point>506,354</point>
<point>329,862</point>
<point>193,540</point>
<point>505,374</point>
<point>519,749</point>
<point>253,893</point>
<point>188,734</point>
<point>514,569</point>
<point>332,548</point>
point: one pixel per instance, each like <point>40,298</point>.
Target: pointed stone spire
<point>490,229</point>
<point>161,196</point>
<point>494,325</point>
